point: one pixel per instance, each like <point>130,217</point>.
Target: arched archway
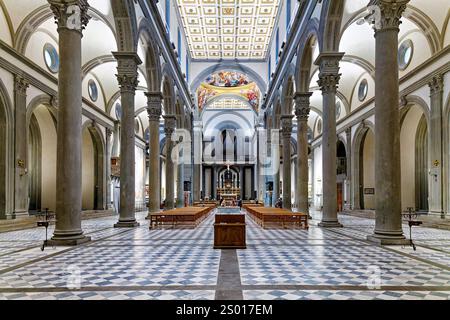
<point>42,152</point>
<point>93,166</point>
<point>341,172</point>
<point>363,167</point>
<point>5,152</point>
<point>414,158</point>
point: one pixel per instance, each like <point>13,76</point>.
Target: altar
<point>229,199</point>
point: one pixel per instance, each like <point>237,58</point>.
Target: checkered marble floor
<point>181,264</point>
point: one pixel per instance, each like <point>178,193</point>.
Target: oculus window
<point>92,90</point>
<point>362,90</point>
<point>118,111</point>
<point>405,53</point>
<point>51,58</point>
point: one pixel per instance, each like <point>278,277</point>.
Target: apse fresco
<point>228,83</point>
<point>227,79</point>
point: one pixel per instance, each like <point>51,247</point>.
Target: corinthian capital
<point>70,14</point>
<point>329,75</point>
<point>387,13</point>
<point>286,125</point>
<point>154,102</point>
<point>170,122</point>
<point>302,107</point>
<point>436,84</point>
<point>20,85</point>
<point>127,63</point>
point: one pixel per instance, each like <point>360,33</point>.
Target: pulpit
<point>229,231</point>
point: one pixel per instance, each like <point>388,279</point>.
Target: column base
<point>61,241</point>
<point>388,240</point>
<point>330,224</point>
<point>126,224</point>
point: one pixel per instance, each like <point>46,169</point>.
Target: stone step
<point>28,222</point>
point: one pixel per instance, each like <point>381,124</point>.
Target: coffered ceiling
<point>228,29</point>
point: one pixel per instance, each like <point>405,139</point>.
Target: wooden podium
<point>229,231</point>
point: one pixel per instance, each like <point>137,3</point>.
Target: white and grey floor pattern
<point>181,264</point>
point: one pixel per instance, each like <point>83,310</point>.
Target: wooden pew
<point>263,215</point>
<point>181,216</point>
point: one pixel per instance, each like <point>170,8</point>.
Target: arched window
<point>168,16</point>
<point>277,45</point>
<point>288,16</point>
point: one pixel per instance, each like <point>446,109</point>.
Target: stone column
<point>68,160</point>
<point>197,165</point>
<point>436,203</point>
<point>108,168</point>
<point>261,157</point>
<point>115,145</point>
<point>154,100</point>
<point>180,176</point>
<point>268,169</point>
<point>388,221</point>
<point>275,154</point>
<point>328,80</point>
<point>286,123</point>
<point>170,122</point>
<point>302,109</point>
<point>20,147</point>
<point>127,75</point>
<point>214,183</point>
<point>348,185</point>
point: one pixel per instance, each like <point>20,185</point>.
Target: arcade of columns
<point>68,205</point>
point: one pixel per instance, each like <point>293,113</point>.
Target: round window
<point>92,90</point>
<point>118,111</point>
<point>405,53</point>
<point>338,110</point>
<point>136,126</point>
<point>319,126</point>
<point>362,90</point>
<point>51,58</point>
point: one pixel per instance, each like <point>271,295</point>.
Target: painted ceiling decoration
<point>228,83</point>
<point>228,29</point>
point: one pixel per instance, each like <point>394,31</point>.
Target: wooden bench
<point>283,217</point>
<point>191,216</point>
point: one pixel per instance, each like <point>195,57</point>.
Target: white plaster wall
<point>407,153</point>
<point>163,180</point>
<point>34,50</point>
<point>317,167</point>
<point>87,171</point>
<point>48,136</point>
<point>4,29</point>
<point>369,169</point>
<point>354,102</point>
<point>421,50</point>
<point>100,103</point>
<point>139,174</point>
<point>8,81</point>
